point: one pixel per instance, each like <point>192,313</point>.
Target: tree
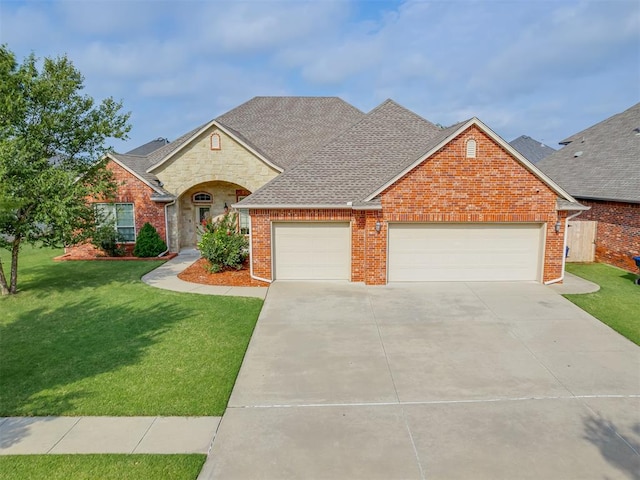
<point>51,155</point>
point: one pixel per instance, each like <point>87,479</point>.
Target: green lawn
<point>89,338</point>
<point>103,467</point>
<point>617,303</point>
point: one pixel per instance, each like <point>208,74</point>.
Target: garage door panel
<point>312,251</point>
<point>472,252</point>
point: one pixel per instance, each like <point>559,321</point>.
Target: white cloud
<point>575,41</point>
<point>261,26</point>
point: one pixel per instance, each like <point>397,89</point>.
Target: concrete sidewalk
<point>574,284</point>
<point>163,435</point>
<point>166,277</point>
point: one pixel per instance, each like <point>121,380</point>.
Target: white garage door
<point>464,252</point>
<point>312,251</point>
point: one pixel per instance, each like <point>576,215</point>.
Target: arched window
<point>471,148</point>
<point>215,141</point>
<point>202,197</point>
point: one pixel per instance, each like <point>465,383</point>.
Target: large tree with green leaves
<point>52,146</point>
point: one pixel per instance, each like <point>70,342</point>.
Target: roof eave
<point>608,199</point>
<point>301,206</point>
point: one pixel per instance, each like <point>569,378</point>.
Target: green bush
<point>106,238</point>
<point>149,243</point>
<point>222,245</point>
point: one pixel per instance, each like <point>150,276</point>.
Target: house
<point>531,149</point>
<point>326,191</point>
<point>600,166</point>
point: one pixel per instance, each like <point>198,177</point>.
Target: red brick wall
<point>261,231</point>
<point>493,187</point>
<point>447,187</point>
<point>618,232</point>
<point>130,190</point>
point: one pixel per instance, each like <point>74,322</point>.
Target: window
<point>202,197</point>
<point>122,215</point>
<point>471,148</point>
<point>243,217</point>
<point>215,141</point>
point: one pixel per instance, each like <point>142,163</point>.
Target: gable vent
<point>471,148</point>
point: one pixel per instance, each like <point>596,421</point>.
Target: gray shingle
<point>287,129</point>
<point>139,165</point>
<point>531,149</point>
<point>608,167</point>
<point>354,164</point>
<point>149,147</point>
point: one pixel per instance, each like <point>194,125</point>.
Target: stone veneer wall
<point>198,164</point>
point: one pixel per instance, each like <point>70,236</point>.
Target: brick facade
<point>618,231</point>
<point>130,190</point>
<point>447,187</point>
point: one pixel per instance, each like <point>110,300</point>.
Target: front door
<point>203,214</point>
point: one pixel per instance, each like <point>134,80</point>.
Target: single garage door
<point>464,252</point>
<point>312,251</point>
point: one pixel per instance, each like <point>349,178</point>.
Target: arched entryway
<point>204,201</point>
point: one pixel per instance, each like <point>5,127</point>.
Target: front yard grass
<point>89,338</point>
<point>104,467</point>
<point>617,303</point>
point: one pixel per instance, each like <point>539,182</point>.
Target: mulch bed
<point>199,272</point>
<point>70,256</point>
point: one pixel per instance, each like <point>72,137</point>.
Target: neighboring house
<point>328,192</point>
<point>149,147</point>
<point>531,149</point>
<point>600,166</point>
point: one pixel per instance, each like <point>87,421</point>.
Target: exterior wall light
<point>557,227</point>
<point>378,226</point>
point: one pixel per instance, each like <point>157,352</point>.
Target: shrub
<point>149,243</point>
<point>106,238</point>
<point>222,245</point>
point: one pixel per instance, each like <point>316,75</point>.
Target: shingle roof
<point>287,129</point>
<point>601,162</point>
<point>354,164</point>
<point>139,164</point>
<point>149,147</point>
<point>531,149</point>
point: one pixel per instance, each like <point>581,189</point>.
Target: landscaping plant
<point>222,245</point>
<point>149,243</point>
<point>106,238</point>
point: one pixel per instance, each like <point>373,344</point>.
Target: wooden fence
<point>581,240</point>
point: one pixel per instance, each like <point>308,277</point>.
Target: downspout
<point>564,248</point>
<point>251,253</point>
<point>166,226</point>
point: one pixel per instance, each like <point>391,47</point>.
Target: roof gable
<point>454,131</point>
<point>137,166</point>
<point>602,161</point>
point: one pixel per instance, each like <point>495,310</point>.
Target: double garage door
<point>464,252</point>
<point>416,252</point>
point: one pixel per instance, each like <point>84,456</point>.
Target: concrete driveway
<point>437,381</point>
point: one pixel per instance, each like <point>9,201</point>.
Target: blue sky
<point>542,68</point>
